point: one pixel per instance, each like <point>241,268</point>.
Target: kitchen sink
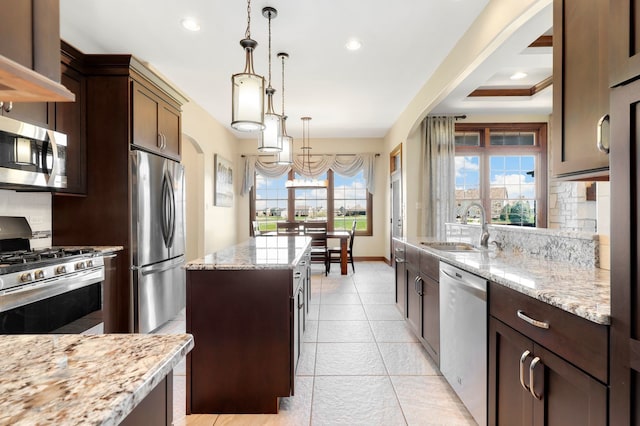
<point>449,246</point>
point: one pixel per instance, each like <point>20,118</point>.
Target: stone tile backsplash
<point>575,247</point>
<point>36,207</point>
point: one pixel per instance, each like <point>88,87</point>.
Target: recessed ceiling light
<point>518,75</point>
<point>353,44</point>
<point>190,24</point>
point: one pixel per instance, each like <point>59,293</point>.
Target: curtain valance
<point>344,165</point>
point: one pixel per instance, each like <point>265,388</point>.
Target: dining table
<point>342,235</point>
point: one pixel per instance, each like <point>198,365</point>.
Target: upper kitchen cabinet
<point>70,119</point>
<point>156,122</point>
<point>580,89</point>
<point>30,52</point>
<point>624,41</point>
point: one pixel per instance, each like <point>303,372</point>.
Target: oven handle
<point>55,164</point>
<point>35,292</point>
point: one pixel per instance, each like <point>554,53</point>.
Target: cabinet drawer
<point>579,341</point>
<point>430,266</point>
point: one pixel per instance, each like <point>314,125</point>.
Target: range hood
<point>21,84</point>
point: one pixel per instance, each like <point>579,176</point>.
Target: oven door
<point>69,306</point>
<point>31,156</point>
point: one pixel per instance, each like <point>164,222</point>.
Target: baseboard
<point>370,259</point>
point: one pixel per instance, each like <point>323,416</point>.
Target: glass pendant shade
<point>271,136</point>
<point>247,95</point>
<point>285,156</point>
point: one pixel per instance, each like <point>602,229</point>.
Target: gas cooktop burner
<point>29,256</point>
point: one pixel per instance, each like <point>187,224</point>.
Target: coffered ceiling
<point>348,93</point>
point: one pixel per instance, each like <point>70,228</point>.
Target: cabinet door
<point>169,129</point>
<point>145,118</point>
<point>30,112</point>
<point>414,300</point>
<point>625,295</point>
<point>624,41</point>
<point>580,86</point>
<point>431,317</point>
<point>567,396</point>
<point>109,293</point>
<point>69,119</point>
<point>510,404</point>
<point>401,280</point>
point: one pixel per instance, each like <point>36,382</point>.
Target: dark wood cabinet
<point>530,385</point>
<point>625,254</point>
<point>544,374</point>
<point>401,276</point>
<point>156,408</point>
<point>155,123</point>
<point>248,324</point>
<point>580,88</point>
<point>110,314</point>
<point>624,41</point>
<point>70,119</point>
<point>37,113</point>
<point>423,298</point>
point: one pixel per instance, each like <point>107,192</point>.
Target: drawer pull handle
<point>400,260</point>
<point>523,358</point>
<point>532,367</point>
<point>535,323</point>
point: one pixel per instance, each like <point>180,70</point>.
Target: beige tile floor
<point>360,365</point>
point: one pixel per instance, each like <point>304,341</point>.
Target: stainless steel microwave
<point>31,156</point>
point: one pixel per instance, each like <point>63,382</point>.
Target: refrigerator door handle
<point>154,269</point>
<point>172,211</point>
<point>165,219</point>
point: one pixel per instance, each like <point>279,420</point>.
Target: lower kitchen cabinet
<point>248,325</point>
<point>109,293</point>
<point>530,385</point>
<point>530,382</point>
<point>423,306</point>
<point>401,277</point>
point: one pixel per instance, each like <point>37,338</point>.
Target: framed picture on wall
<point>223,185</point>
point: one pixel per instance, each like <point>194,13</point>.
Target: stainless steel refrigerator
<point>157,227</point>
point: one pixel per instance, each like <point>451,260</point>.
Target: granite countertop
<point>580,290</point>
<point>79,379</point>
<point>262,252</point>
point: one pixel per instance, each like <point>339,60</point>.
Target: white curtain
<point>346,165</point>
<point>438,180</point>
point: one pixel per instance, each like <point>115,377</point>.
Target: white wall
<point>373,246</point>
<point>211,227</point>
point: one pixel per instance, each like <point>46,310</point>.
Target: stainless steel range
<point>46,290</point>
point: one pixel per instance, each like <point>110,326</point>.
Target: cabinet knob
<point>8,107</point>
<point>159,142</point>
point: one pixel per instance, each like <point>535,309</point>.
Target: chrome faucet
<point>484,237</point>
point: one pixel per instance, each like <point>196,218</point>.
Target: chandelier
<point>270,138</point>
<point>306,183</point>
<point>247,89</point>
<point>286,155</point>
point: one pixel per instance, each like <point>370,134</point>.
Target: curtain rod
<point>310,155</point>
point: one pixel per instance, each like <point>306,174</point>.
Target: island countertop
<point>262,252</point>
<point>79,379</point>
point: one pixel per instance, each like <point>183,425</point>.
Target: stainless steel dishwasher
<point>463,337</point>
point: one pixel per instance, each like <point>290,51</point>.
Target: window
<point>504,168</point>
<point>345,199</point>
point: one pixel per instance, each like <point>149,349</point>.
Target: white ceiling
<point>348,94</point>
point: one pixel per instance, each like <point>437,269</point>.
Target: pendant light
<point>247,89</point>
<point>308,182</point>
<point>286,155</point>
<point>270,138</point>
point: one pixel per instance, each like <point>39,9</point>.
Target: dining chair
<point>319,250</point>
<point>335,252</point>
<point>288,228</point>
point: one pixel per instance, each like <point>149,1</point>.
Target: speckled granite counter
<point>277,252</point>
<point>102,249</point>
<point>81,380</point>
<point>583,291</point>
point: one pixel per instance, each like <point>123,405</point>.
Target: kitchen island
<point>99,380</point>
<point>246,309</point>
